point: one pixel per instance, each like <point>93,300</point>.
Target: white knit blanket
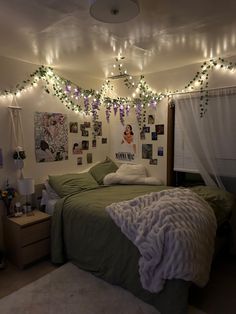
<point>174,231</point>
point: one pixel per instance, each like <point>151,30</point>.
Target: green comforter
<point>83,232</point>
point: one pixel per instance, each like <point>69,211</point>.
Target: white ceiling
<point>166,34</point>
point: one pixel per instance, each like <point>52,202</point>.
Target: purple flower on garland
<point>86,105</point>
<point>68,88</point>
<point>115,108</point>
<point>127,109</point>
<point>153,104</point>
<point>77,92</point>
<point>122,114</point>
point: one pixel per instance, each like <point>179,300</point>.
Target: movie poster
<point>124,142</point>
<point>51,136</point>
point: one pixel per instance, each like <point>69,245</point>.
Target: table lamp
<point>26,188</point>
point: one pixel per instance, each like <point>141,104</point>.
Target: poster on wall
<point>51,136</point>
<point>125,142</point>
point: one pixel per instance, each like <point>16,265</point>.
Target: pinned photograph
<point>142,135</point>
<point>154,136</point>
<point>104,140</point>
<point>160,151</point>
<point>146,129</point>
<point>147,151</point>
<point>153,161</point>
<point>84,132</point>
<point>151,119</point>
<point>77,149</point>
<point>89,158</point>
<point>85,145</point>
<point>87,124</point>
<point>160,128</point>
<point>73,127</point>
<point>97,128</point>
<point>79,161</point>
<point>94,143</point>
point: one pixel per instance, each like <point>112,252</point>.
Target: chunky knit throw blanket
<point>174,231</point>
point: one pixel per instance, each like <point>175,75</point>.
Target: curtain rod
<point>210,89</point>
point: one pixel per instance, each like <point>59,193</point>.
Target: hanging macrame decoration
<point>17,143</point>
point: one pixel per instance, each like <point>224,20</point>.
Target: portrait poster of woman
<point>124,142</point>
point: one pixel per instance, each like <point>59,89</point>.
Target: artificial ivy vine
<point>71,94</point>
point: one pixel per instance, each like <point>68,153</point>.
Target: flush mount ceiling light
<point>114,11</point>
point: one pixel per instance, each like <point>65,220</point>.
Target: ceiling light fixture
<point>114,11</point>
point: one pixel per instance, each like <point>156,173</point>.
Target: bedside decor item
<point>7,195</point>
<point>17,136</point>
<point>26,188</point>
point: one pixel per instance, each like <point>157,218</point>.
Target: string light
<point>70,94</point>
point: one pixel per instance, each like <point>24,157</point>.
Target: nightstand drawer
<point>35,251</point>
<point>35,232</point>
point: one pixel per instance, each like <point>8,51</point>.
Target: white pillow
<point>50,192</point>
<point>132,170</point>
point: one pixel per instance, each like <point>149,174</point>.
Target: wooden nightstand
<point>27,238</point>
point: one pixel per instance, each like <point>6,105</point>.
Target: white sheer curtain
<point>212,138</point>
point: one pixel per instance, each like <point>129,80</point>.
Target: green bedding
<point>83,232</point>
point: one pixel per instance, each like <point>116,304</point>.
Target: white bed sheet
<point>48,202</point>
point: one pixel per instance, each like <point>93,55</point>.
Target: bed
<point>84,233</point>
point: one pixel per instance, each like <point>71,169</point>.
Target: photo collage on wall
<point>83,132</point>
<point>51,138</point>
<point>151,132</point>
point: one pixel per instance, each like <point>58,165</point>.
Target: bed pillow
<point>100,170</point>
<point>132,170</point>
<point>221,201</point>
<point>67,184</point>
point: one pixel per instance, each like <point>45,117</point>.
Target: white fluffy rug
<point>69,290</point>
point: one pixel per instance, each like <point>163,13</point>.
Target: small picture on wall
<point>77,149</point>
<point>154,136</point>
<point>79,161</point>
<point>87,124</point>
<point>142,135</point>
<point>73,127</point>
<point>89,158</point>
<point>160,151</point>
<point>160,128</point>
<point>104,140</point>
<point>146,129</point>
<point>153,161</point>
<point>94,143</point>
<point>147,151</point>
<point>84,132</point>
<point>82,127</point>
<point>85,145</point>
<point>97,128</point>
<point>151,119</point>
<point>1,158</point>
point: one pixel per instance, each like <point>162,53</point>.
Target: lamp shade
<point>26,186</point>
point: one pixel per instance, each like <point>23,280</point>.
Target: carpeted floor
<point>69,290</point>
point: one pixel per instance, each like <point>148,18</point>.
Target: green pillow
<point>221,201</point>
<point>100,170</point>
<point>70,183</point>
